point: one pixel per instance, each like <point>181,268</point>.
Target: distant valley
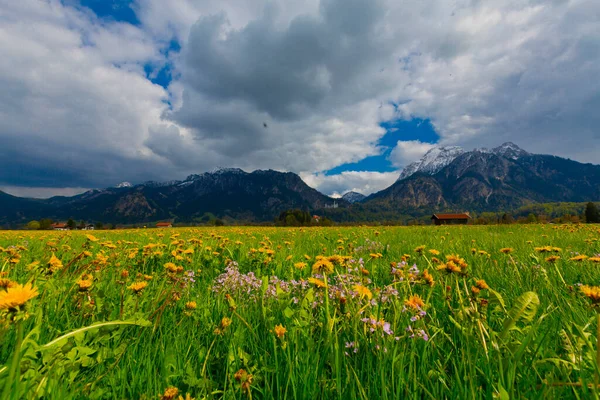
<point>445,179</point>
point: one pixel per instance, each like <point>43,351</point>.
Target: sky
<point>344,93</point>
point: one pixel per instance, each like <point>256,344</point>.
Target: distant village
<point>66,226</point>
<point>436,219</point>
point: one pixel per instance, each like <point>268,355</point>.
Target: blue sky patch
<point>116,10</point>
<point>414,129</point>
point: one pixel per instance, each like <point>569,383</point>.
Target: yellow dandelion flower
<point>317,282</point>
<point>17,296</point>
<point>322,266</point>
<point>415,302</point>
<point>427,278</point>
<point>137,287</point>
<point>594,259</point>
<point>84,284</point>
<point>300,265</point>
<point>171,267</point>
<point>191,305</point>
<point>170,393</point>
<point>91,238</point>
<point>54,264</point>
<point>481,284</point>
<point>434,252</point>
<point>363,291</point>
<point>419,249</point>
<point>580,257</point>
<point>6,283</point>
<point>591,292</point>
<point>280,331</point>
<point>506,250</point>
<point>552,259</point>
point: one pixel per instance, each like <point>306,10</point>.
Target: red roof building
<point>450,219</point>
<point>164,225</point>
<point>59,226</point>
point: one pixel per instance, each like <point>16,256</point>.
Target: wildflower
<point>419,249</point>
<point>376,255</point>
<point>434,252</point>
<point>506,250</point>
<point>137,287</point>
<point>591,292</point>
<point>300,265</point>
<point>92,238</point>
<point>415,302</point>
<point>84,284</point>
<point>170,393</point>
<point>427,278</point>
<point>580,257</point>
<point>363,291</point>
<point>191,305</point>
<point>124,274</point>
<point>171,267</point>
<point>322,266</point>
<point>449,267</point>
<point>481,284</point>
<point>280,331</point>
<point>7,283</point>
<point>552,259</point>
<point>54,264</point>
<point>17,296</point>
<point>317,282</point>
<point>594,259</point>
<point>245,379</point>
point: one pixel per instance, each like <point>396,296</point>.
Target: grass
<point>205,322</point>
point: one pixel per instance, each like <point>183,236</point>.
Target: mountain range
<point>444,179</point>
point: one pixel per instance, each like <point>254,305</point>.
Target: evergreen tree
<point>592,215</point>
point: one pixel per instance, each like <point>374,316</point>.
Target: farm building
<point>59,226</point>
<point>164,225</point>
<point>450,219</point>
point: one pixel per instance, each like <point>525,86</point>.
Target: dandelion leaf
<point>524,309</point>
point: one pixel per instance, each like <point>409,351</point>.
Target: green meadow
<point>449,312</point>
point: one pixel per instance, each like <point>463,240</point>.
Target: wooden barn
<point>164,225</point>
<point>451,219</point>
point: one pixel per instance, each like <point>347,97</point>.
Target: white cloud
<point>364,182</point>
<point>408,151</point>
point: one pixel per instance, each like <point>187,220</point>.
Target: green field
<point>272,313</point>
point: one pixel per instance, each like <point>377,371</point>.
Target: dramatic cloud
<point>75,105</point>
<point>408,151</point>
<point>300,86</point>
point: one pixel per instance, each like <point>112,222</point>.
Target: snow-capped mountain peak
<point>433,161</point>
<point>223,170</point>
<point>124,185</point>
<point>509,150</point>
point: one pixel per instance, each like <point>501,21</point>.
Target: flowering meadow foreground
<point>372,313</point>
